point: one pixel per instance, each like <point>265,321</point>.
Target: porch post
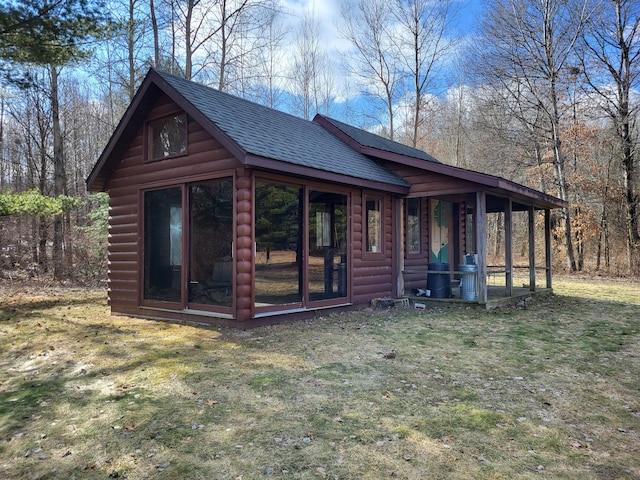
<point>400,205</point>
<point>532,250</point>
<point>481,244</point>
<point>547,244</point>
<point>508,247</point>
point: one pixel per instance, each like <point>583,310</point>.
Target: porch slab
<point>496,298</point>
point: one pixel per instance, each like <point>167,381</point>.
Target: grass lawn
<point>550,391</point>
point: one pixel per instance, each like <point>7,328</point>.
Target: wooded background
<point>542,92</point>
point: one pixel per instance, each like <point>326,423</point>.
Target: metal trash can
<point>438,284</point>
<point>468,282</point>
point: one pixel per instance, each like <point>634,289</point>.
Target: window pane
<point>163,244</point>
<point>211,240</point>
<point>327,245</point>
<point>413,225</point>
<point>374,225</point>
<point>278,244</point>
<point>168,136</point>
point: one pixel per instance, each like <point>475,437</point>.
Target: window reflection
<point>373,217</point>
<point>413,225</point>
<point>278,214</point>
<point>211,240</point>
<point>327,245</point>
<point>163,244</point>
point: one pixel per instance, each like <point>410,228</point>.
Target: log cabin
<point>226,212</point>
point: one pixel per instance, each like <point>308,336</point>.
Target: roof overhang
<point>472,181</point>
<point>152,87</point>
<point>278,166</point>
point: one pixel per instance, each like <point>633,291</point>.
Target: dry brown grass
<point>549,391</point>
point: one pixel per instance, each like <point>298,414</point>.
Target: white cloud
<point>326,12</point>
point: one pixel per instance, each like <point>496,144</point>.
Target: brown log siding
<point>244,247</point>
<point>372,272</point>
<point>205,158</point>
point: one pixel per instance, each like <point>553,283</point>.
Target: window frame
<point>409,251</point>
<point>184,305</point>
<point>375,250</point>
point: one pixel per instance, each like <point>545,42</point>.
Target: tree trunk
<point>223,47</point>
<point>631,199</point>
<point>131,32</point>
<point>43,234</point>
<point>188,62</point>
<point>156,41</point>
<point>561,175</point>
<point>58,176</point>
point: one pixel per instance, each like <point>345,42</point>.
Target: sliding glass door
<point>301,246</point>
<point>210,242</point>
<point>163,245</point>
<point>278,263</point>
<point>202,242</point>
<point>327,259</point>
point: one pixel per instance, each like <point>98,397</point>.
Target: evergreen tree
<point>49,34</point>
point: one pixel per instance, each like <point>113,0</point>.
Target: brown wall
<point>373,273</point>
<point>205,157</point>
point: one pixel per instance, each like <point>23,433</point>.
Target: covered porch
<point>458,267</point>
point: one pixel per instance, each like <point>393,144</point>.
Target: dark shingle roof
<point>368,139</point>
<point>272,134</point>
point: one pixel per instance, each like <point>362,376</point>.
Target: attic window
<point>168,137</point>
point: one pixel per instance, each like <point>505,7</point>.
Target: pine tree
<point>49,34</point>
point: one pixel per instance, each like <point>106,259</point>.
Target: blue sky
<point>328,14</point>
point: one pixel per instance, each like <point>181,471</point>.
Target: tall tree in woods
<point>422,42</point>
<point>527,53</point>
<point>270,78</point>
<point>311,76</point>
<point>156,33</point>
<point>610,55</point>
<point>130,46</point>
<point>218,35</point>
<point>50,34</point>
<point>375,63</point>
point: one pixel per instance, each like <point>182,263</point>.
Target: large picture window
<point>163,244</point>
<point>278,217</point>
<point>210,241</point>
<point>327,245</point>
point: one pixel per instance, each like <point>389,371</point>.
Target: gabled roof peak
<point>255,134</point>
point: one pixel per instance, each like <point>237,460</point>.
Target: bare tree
<point>270,73</point>
<point>312,72</point>
<point>376,63</point>
<point>123,60</point>
<point>610,56</point>
<point>423,45</point>
<point>526,52</point>
<point>156,33</point>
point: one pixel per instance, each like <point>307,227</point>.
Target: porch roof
<point>470,181</point>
